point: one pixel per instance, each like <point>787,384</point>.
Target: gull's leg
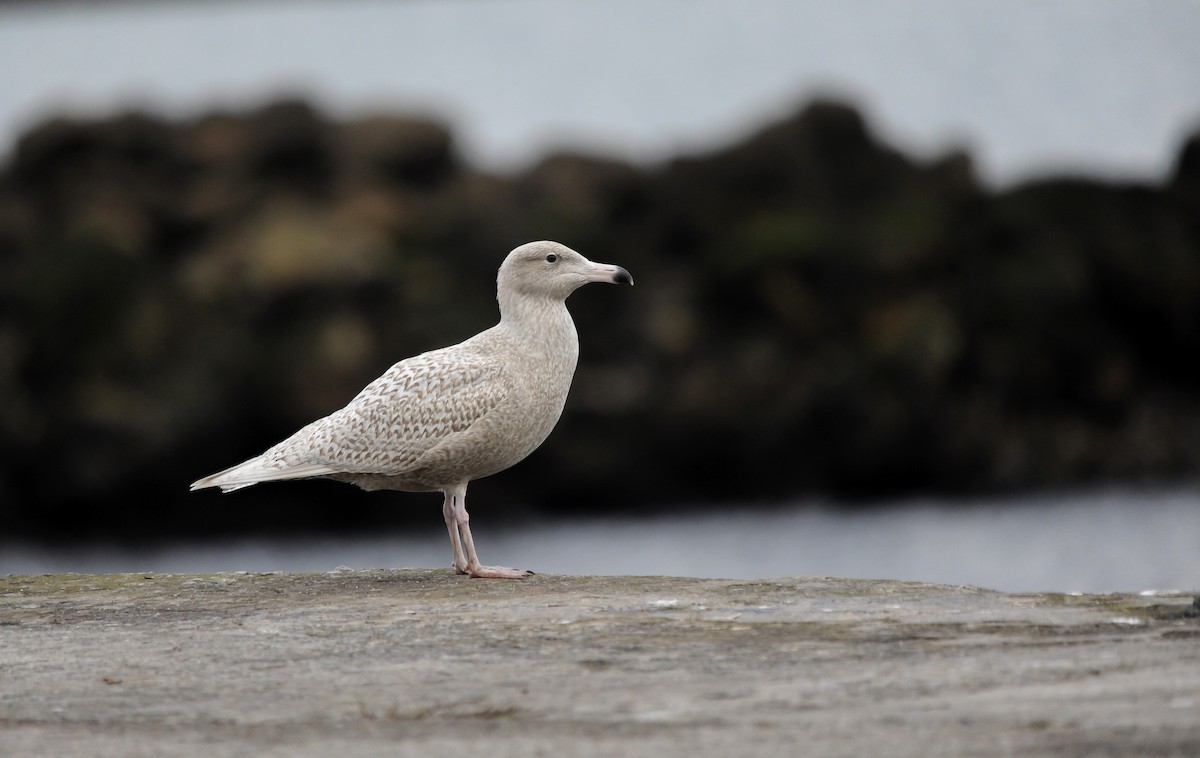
<point>458,558</point>
<point>456,498</point>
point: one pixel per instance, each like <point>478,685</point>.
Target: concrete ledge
<point>419,662</point>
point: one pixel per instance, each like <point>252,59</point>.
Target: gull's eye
<point>551,258</point>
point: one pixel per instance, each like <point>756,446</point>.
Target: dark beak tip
<point>622,277</point>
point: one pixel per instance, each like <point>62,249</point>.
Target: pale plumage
<point>438,420</point>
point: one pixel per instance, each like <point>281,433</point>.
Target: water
<point>1106,88</point>
<point>1099,541</point>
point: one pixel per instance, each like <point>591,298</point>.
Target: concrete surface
<point>426,663</point>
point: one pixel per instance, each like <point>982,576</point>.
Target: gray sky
<point>1106,88</point>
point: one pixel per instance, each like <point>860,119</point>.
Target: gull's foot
<point>498,572</point>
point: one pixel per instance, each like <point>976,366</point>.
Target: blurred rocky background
<point>815,313</point>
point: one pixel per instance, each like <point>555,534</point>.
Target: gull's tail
<point>257,470</point>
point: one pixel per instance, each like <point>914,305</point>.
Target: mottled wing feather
<point>400,415</point>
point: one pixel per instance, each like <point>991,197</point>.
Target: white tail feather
<point>255,471</point>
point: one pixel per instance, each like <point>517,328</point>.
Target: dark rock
<point>815,313</point>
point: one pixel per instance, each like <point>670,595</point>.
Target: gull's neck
<point>540,324</point>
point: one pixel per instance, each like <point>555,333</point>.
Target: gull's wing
<point>389,425</point>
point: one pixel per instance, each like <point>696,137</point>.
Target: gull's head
<point>550,270</point>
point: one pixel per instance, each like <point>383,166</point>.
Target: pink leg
<point>459,523</point>
<point>458,558</point>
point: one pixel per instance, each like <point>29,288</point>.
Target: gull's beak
<point>608,274</point>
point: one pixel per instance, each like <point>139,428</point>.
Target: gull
<point>439,420</point>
